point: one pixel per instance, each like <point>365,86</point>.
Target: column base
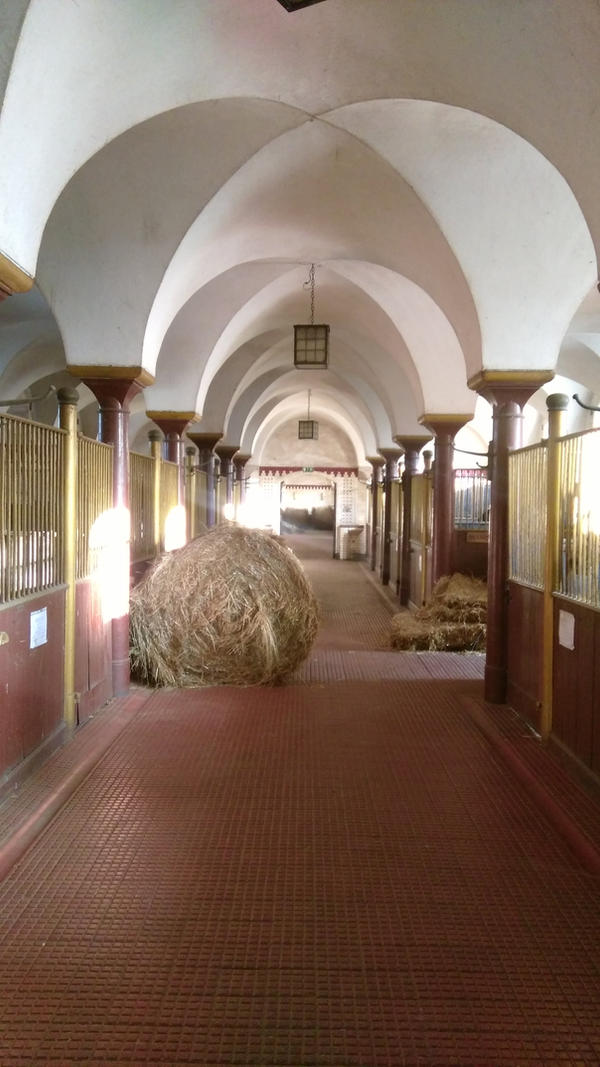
<point>120,660</point>
<point>495,684</point>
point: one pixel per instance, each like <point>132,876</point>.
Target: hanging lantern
<point>296,5</point>
<point>308,429</point>
<point>311,342</point>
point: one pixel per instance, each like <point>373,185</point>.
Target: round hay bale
<point>232,607</point>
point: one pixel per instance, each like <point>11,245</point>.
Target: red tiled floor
<point>340,871</point>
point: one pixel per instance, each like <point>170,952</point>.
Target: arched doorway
<point>307,503</point>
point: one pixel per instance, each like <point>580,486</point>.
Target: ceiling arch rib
<point>349,372</point>
<point>340,301</point>
<point>146,188</point>
<point>508,214</point>
<point>275,411</point>
<point>371,303</point>
<point>330,387</point>
<point>429,337</point>
<point>364,211</point>
<point>449,52</point>
<point>369,372</point>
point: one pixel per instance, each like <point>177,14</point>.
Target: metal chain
<point>310,281</point>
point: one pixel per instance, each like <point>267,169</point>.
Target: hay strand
<point>232,607</point>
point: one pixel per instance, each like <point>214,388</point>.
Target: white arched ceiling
<point>431,341</point>
<point>507,213</point>
<point>275,383</point>
<point>118,223</point>
<point>383,309</point>
<point>25,321</point>
<point>40,359</point>
<point>274,414</point>
<point>315,194</point>
<point>332,448</point>
<point>530,66</point>
<point>376,304</point>
<point>387,398</point>
<point>580,361</point>
<point>406,172</point>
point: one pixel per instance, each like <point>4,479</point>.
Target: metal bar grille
<point>579,518</point>
<point>31,507</point>
<point>527,469</point>
<point>94,500</point>
<point>169,492</point>
<point>141,506</point>
<point>198,498</point>
<point>472,489</point>
<point>417,495</point>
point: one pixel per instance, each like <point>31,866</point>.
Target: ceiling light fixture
<point>311,343</point>
<point>308,429</point>
<point>295,5</point>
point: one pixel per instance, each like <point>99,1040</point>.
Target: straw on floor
<point>454,620</point>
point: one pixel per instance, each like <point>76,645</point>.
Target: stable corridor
<point>341,871</point>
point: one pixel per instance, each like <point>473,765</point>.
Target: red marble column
<point>114,394</point>
<point>173,424</point>
<point>412,445</point>
<point>376,463</point>
<point>226,454</point>
<point>508,393</point>
<point>205,443</point>
<point>391,457</point>
<point>445,428</point>
<point>239,462</point>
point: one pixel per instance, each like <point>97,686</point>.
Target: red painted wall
<point>576,684</point>
<point>525,624</point>
<point>31,679</point>
<point>93,652</point>
<point>471,553</point>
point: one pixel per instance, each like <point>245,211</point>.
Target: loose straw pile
<point>454,620</point>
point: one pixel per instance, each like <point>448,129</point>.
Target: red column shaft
<point>507,423</point>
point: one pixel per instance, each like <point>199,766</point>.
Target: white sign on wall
<point>566,629</point>
<point>38,628</point>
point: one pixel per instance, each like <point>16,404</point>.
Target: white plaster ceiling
<point>168,173</point>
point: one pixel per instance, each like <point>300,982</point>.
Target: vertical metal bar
<point>557,404</point>
<point>67,399</point>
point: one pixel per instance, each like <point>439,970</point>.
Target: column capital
<point>375,461</point>
<point>509,386</point>
<point>241,458</point>
<point>172,421</point>
<point>205,442</point>
<point>226,452</point>
<point>446,423</point>
<point>12,278</point>
<point>390,454</point>
<point>411,442</point>
<point>112,382</point>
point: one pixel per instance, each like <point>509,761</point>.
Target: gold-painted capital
<point>173,416</point>
<point>497,386</point>
<point>111,372</point>
<point>411,442</point>
<point>445,422</point>
<point>12,278</point>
